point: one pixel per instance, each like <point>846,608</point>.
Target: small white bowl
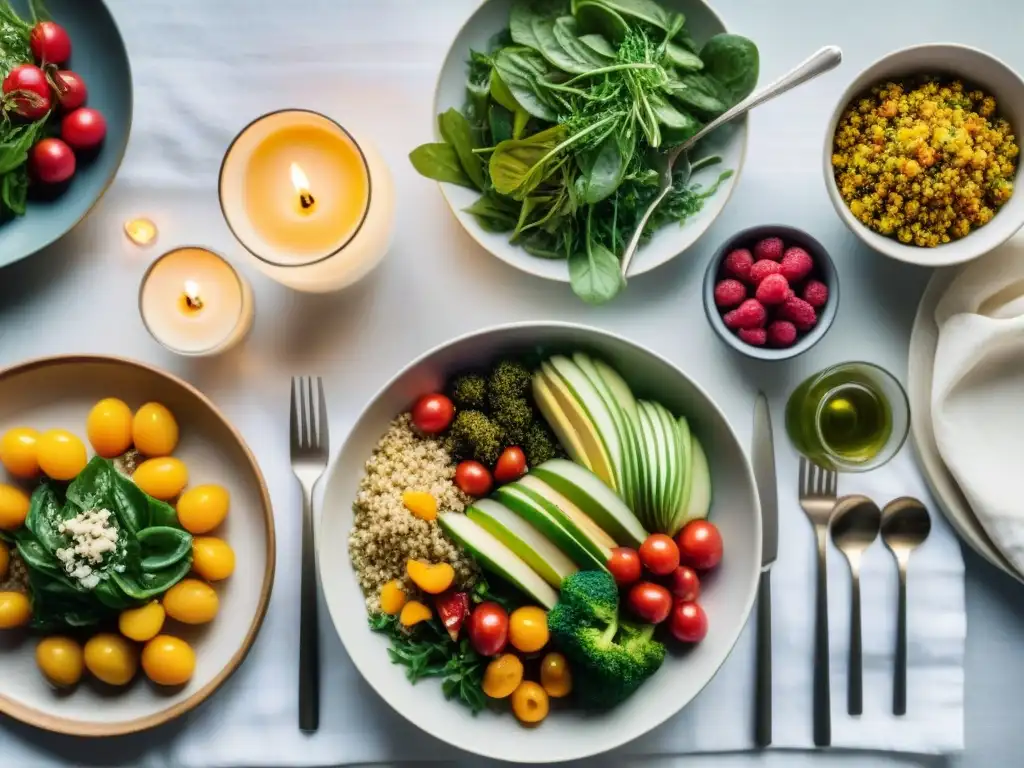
<point>975,68</point>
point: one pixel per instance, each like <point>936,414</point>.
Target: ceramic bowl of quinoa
<point>363,516</point>
<point>921,156</point>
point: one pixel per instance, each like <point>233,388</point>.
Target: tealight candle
<point>195,303</point>
<point>313,205</point>
<point>142,232</point>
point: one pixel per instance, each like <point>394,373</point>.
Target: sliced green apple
<point>674,468</point>
<point>699,504</point>
<point>557,420</point>
<point>528,543</point>
<point>575,520</point>
<point>496,557</point>
<point>651,468</point>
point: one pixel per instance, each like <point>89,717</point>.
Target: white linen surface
<point>978,391</point>
<point>373,65</point>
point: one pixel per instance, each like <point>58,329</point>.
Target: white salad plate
<point>727,595</point>
<point>58,392</point>
<point>924,340</point>
<point>728,142</point>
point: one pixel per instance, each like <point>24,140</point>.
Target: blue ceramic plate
<point>99,56</point>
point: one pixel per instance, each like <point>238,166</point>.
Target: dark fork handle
<point>763,682</point>
<point>822,694</point>
<point>309,632</point>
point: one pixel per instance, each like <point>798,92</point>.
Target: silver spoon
<point>855,523</point>
<point>821,62</point>
<point>905,525</point>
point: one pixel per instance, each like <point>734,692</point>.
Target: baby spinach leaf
<point>500,121</point>
<point>162,513</point>
<point>558,55</point>
<point>520,69</point>
<point>733,61</point>
<point>36,557</point>
<point>677,125</point>
<point>44,515</point>
<point>455,130</point>
<point>595,17</point>
<point>599,45</point>
<point>567,34</point>
<point>647,11</point>
<point>108,593</point>
<point>439,161</point>
<point>495,214</point>
<point>697,90</point>
<point>162,547</point>
<point>92,487</point>
<point>546,245</point>
<point>14,192</point>
<point>129,503</point>
<point>524,12</point>
<point>517,166</point>
<point>594,271</point>
<point>682,58</point>
<point>144,586</point>
<point>603,167</point>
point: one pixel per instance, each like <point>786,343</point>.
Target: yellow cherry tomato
<point>15,610</point>
<point>555,676</point>
<point>111,658</point>
<point>212,558</point>
<point>154,430</point>
<point>502,676</point>
<point>61,661</point>
<point>5,561</point>
<point>61,454</point>
<point>162,478</point>
<point>528,629</point>
<point>143,623</point>
<point>14,504</point>
<point>203,508</point>
<point>19,452</point>
<point>191,601</point>
<point>167,660</point>
<point>529,703</point>
<point>109,427</point>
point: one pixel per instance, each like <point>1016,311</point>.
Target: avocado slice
<point>557,420</point>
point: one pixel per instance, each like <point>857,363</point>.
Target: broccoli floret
<point>611,658</point>
<point>515,416</point>
<point>474,435</point>
<point>509,379</point>
<point>539,445</point>
<point>469,391</point>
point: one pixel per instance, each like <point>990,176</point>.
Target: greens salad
<point>565,116</point>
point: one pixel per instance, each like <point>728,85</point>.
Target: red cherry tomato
<point>52,161</point>
<point>700,545</point>
<point>28,91</point>
<point>473,478</point>
<point>689,623</point>
<point>651,602</point>
<point>685,585</point>
<point>70,89</point>
<point>85,128</point>
<point>511,465</point>
<point>433,414</point>
<point>50,43</point>
<point>659,554</point>
<point>624,565</point>
<point>488,629</point>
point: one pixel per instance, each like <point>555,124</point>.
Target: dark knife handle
<point>763,682</point>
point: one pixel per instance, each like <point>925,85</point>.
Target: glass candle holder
<point>313,206</point>
<point>851,417</point>
<point>193,302</point>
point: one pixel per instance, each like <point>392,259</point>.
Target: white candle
<point>195,303</point>
<point>310,203</point>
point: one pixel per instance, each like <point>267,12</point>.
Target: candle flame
<point>192,299</point>
<point>301,183</point>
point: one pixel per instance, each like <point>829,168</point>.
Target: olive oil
<point>840,418</point>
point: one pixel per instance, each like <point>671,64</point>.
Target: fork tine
<point>303,414</point>
<point>314,432</point>
<point>325,442</point>
<point>804,480</point>
<point>833,483</point>
<point>293,419</point>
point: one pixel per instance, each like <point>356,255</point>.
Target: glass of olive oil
<point>851,417</point>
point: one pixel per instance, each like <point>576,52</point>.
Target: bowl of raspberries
<point>771,292</point>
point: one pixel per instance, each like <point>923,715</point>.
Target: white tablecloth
<point>202,71</point>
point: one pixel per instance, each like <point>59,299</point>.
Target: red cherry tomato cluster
<point>673,587</point>
<point>32,91</point>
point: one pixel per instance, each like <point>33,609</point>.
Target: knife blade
<point>763,456</point>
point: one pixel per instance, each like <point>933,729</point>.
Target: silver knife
<point>763,456</point>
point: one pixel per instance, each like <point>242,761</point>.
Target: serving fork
<point>818,499</point>
<point>309,448</point>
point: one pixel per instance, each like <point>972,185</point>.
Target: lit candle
<point>313,205</point>
<point>142,232</point>
<point>195,303</point>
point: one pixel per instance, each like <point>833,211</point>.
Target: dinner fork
<point>310,449</point>
<point>818,499</point>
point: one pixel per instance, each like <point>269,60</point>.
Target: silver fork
<point>310,448</point>
<point>818,499</point>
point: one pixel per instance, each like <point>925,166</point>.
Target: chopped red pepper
<point>452,608</point>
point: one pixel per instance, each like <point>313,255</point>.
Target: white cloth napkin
<point>978,392</point>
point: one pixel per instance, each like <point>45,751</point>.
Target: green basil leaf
<point>14,192</point>
<point>456,131</point>
<point>36,557</point>
<point>521,69</point>
<point>439,161</point>
<point>108,593</point>
<point>734,62</point>
<point>162,547</point>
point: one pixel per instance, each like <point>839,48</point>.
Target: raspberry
<point>770,248</point>
<point>762,269</point>
<point>731,319</point>
<point>796,264</point>
<point>781,333</point>
<point>816,293</point>
<point>754,336</point>
<point>738,264</point>
<point>750,314</point>
<point>729,293</point>
<point>799,312</point>
<point>774,289</point>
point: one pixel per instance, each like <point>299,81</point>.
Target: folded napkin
<point>977,391</point>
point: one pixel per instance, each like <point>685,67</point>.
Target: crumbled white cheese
<point>91,537</point>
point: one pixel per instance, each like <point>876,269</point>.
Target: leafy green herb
<point>594,271</point>
<point>495,213</point>
<point>440,161</point>
<point>732,61</point>
<point>457,133</point>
